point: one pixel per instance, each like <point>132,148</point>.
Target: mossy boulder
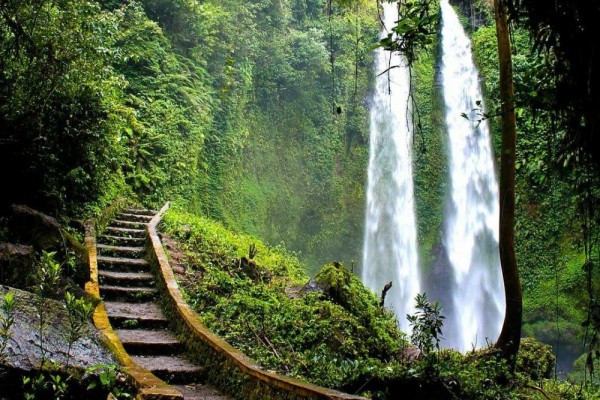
<point>345,289</point>
<point>535,359</point>
<point>44,233</point>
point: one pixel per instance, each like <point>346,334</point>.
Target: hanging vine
<point>414,32</point>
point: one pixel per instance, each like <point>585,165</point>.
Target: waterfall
<point>390,252</point>
<point>472,216</point>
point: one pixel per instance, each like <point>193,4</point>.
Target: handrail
<point>149,386</point>
<point>243,363</point>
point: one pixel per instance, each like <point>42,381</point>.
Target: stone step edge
<point>132,289</point>
<point>165,336</point>
<point>138,262</point>
<point>135,216</point>
<point>122,223</point>
<point>126,230</point>
<point>123,249</point>
<point>139,211</point>
<point>123,239</point>
<point>126,276</point>
<point>142,319</point>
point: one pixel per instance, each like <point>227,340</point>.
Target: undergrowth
<point>327,338</point>
<point>331,330</point>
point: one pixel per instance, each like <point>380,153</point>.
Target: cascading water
<point>390,252</point>
<point>472,228</point>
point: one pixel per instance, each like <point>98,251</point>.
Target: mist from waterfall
<point>471,231</point>
<point>390,245</point>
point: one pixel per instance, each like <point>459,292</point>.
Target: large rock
<point>312,286</point>
<point>23,350</point>
<point>31,226</point>
<point>17,265</point>
<point>338,284</point>
<point>44,232</point>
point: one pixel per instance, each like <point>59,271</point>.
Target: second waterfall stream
<point>472,292</point>
<point>472,214</point>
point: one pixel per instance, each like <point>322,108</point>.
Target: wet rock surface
<point>200,392</point>
<point>24,352</point>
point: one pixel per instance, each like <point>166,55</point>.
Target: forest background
<point>255,113</point>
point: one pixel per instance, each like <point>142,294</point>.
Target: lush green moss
<point>329,338</point>
<point>535,359</point>
<point>430,155</point>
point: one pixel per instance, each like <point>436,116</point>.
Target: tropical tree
<point>510,336</point>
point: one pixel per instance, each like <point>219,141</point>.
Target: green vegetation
<point>431,157</point>
<point>548,238</point>
<point>6,321</point>
<point>331,330</point>
<point>55,374</point>
<point>262,128</point>
<point>254,114</point>
<point>330,336</point>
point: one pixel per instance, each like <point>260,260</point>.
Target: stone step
<point>121,241</point>
<point>149,342</point>
<point>200,391</point>
<point>123,293</point>
<point>128,224</point>
<point>123,264</point>
<point>125,232</point>
<point>135,217</point>
<point>108,249</point>
<point>130,279</point>
<point>137,211</point>
<point>139,315</point>
<point>171,369</point>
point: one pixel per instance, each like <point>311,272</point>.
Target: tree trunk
<point>510,337</point>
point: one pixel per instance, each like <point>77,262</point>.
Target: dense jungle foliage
<point>330,330</point>
<point>255,114</point>
<point>552,250</point>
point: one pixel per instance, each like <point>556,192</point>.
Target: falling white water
<point>471,235</point>
<point>390,252</point>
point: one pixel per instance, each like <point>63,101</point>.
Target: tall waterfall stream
<point>472,216</point>
<point>390,246</point>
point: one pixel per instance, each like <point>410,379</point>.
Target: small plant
<point>112,379</point>
<point>48,277</point>
<point>33,385</point>
<point>48,274</point>
<point>7,320</point>
<point>426,324</point>
<point>130,323</point>
<point>58,385</point>
<point>79,312</point>
<point>46,384</point>
<point>252,251</point>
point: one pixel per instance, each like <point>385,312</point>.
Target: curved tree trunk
<point>510,337</point>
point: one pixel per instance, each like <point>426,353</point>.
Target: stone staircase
<point>129,294</point>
